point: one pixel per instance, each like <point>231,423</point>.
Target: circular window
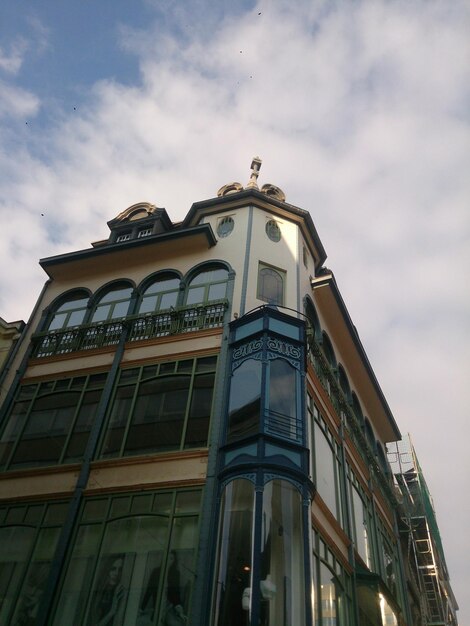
<point>225,227</point>
<point>273,231</point>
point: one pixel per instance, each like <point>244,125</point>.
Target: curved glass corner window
<point>160,295</point>
<point>225,227</point>
<point>273,231</point>
<point>245,401</point>
<point>69,313</point>
<point>282,580</point>
<point>112,305</point>
<point>207,286</point>
<point>271,285</point>
<point>282,416</point>
<point>279,589</point>
<point>234,582</point>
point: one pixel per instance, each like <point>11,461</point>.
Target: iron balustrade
<point>343,408</point>
<point>147,326</point>
<point>283,426</point>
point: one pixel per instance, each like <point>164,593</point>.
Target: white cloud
<point>360,112</point>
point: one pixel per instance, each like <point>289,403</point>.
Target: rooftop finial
<point>255,168</point>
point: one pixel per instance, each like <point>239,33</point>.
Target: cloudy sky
<point>360,112</point>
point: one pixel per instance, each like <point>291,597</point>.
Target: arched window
<point>369,434</point>
<point>312,318</point>
<point>161,294</point>
<point>271,285</point>
<point>357,410</point>
<point>70,312</point>
<point>381,457</point>
<point>328,351</point>
<point>207,285</point>
<point>344,383</point>
<point>113,304</point>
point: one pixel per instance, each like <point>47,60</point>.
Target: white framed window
<point>271,284</point>
<point>145,232</point>
<point>123,237</point>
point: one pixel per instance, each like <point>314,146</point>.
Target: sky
<point>360,110</point>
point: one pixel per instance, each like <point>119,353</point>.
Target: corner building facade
<point>191,433</point>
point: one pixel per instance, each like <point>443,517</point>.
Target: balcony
<point>351,424</point>
<point>140,327</point>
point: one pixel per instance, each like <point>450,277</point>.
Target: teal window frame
<point>112,298</point>
<point>33,528</point>
<point>264,291</point>
<point>160,288</point>
<point>68,310</point>
<point>324,560</point>
<point>19,425</point>
<point>319,422</point>
<point>207,279</point>
<point>174,516</point>
<point>120,419</point>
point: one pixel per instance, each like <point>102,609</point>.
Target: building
<point>10,332</point>
<point>192,433</point>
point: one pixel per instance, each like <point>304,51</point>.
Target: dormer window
<point>144,232</point>
<point>123,237</point>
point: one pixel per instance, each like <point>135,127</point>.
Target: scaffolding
<point>425,566</point>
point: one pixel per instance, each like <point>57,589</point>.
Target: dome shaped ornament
<point>273,192</point>
<point>230,188</point>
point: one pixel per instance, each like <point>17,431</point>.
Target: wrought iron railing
<point>284,426</point>
<point>343,408</point>
<point>148,326</point>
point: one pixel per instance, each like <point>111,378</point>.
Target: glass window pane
<point>325,470</point>
<point>210,276</point>
<point>45,433</point>
<point>282,396</point>
<point>35,580</point>
<point>168,300</point>
<point>200,411</point>
<point>16,545</point>
<point>79,438</point>
<point>120,309</point>
<point>245,398</point>
<point>329,606</point>
<point>12,430</point>
<point>76,318</point>
<point>217,292</point>
<point>179,577</point>
<point>149,303</point>
<point>270,286</point>
<point>233,584</point>
<point>57,321</point>
<point>117,294</point>
<point>282,581</point>
<point>163,285</point>
<point>73,304</point>
<point>118,420</point>
<point>101,313</point>
<point>195,295</point>
<point>158,416</point>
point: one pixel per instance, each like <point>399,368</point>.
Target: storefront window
<point>282,581</point>
<point>137,570</point>
<point>234,581</point>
